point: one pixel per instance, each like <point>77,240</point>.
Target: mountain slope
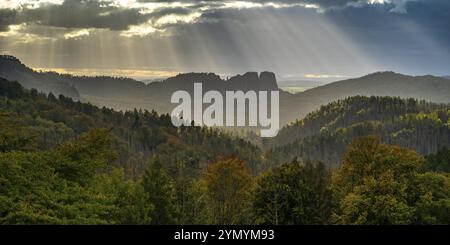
<point>42,122</point>
<point>324,134</point>
<point>429,88</point>
<point>126,94</point>
<point>12,69</point>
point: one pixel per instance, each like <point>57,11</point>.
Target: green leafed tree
<point>130,200</point>
<point>294,193</point>
<point>79,160</point>
<point>440,161</point>
<point>161,192</point>
<point>34,190</point>
<point>383,184</point>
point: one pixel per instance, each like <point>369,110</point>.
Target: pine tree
<point>162,194</point>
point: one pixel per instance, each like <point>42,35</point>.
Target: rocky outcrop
<point>251,81</point>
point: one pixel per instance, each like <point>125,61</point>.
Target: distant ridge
<point>12,69</point>
<point>429,88</point>
<point>125,93</point>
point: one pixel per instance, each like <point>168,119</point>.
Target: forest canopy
<point>68,162</point>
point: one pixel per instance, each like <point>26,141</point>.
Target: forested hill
<point>429,88</point>
<point>324,134</point>
<point>12,69</point>
<point>123,93</point>
<point>126,94</point>
<point>34,121</point>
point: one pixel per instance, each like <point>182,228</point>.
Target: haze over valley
<point>123,93</point>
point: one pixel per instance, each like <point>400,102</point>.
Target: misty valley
<point>257,113</point>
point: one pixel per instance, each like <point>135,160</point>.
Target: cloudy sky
<point>304,39</point>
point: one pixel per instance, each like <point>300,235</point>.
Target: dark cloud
<point>321,3</point>
<point>106,15</point>
<point>325,4</point>
<point>89,14</point>
<point>158,13</point>
<point>417,40</point>
<point>83,14</point>
<point>432,15</point>
<point>74,14</point>
<point>7,17</point>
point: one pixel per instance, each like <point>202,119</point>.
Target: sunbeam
<point>292,38</point>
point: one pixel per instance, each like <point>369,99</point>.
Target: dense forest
<point>324,134</point>
<point>67,162</point>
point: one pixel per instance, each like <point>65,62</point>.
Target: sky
<point>298,40</point>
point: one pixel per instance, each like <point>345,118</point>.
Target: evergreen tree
<point>162,194</point>
<point>440,161</point>
<point>293,193</point>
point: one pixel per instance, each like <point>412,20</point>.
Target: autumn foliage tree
<point>383,184</point>
<point>227,183</point>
